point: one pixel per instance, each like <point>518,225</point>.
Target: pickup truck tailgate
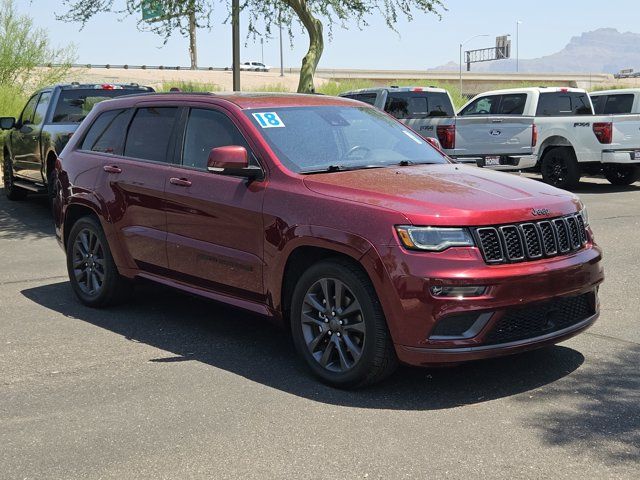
<point>494,135</point>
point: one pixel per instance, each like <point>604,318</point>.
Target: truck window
<point>106,134</point>
<point>75,104</point>
<point>41,108</point>
<point>558,104</point>
<point>26,117</point>
<point>149,133</point>
<point>369,98</point>
<point>414,105</point>
<point>599,102</point>
<point>482,106</point>
<point>512,104</point>
<point>619,104</point>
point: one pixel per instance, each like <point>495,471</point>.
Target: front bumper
<point>413,312</point>
<point>621,156</point>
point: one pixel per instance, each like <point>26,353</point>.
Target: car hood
<point>447,194</point>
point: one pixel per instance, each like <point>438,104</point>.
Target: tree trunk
<point>316,45</point>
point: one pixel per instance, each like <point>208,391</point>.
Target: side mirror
<point>232,160</point>
<point>434,143</point>
<point>7,123</point>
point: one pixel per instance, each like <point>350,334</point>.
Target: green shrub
<point>12,100</point>
<point>271,87</point>
<point>190,86</point>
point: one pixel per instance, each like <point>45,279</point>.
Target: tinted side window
<point>106,134</point>
<point>27,114</point>
<point>407,105</point>
<point>617,104</point>
<point>207,129</point>
<point>513,104</point>
<point>369,98</point>
<point>41,108</point>
<point>482,106</point>
<point>563,104</point>
<point>150,132</point>
<point>440,105</point>
<point>599,102</point>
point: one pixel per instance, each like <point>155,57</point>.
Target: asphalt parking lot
<point>170,386</point>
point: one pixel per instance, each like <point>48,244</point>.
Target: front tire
<point>560,168</point>
<point>11,191</point>
<point>92,272</point>
<point>621,174</point>
<point>339,328</point>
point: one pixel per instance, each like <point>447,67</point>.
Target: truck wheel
<point>338,326</point>
<point>11,191</point>
<point>92,272</point>
<point>560,168</point>
<point>621,174</point>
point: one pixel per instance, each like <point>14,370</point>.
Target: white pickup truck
<point>553,130</point>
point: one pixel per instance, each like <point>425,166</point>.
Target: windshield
<point>74,105</point>
<point>314,139</point>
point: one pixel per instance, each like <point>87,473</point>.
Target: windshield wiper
<point>408,163</point>
<point>341,168</point>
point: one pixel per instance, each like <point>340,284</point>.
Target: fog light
<point>458,292</point>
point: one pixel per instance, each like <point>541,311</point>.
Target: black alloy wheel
<point>338,326</point>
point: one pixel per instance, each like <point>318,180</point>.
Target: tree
<point>263,16</point>
<point>24,48</point>
<point>311,12</point>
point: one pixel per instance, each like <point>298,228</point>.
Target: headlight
<point>434,239</point>
<point>585,216</point>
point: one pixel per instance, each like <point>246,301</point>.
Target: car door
<point>215,228</point>
<point>136,147</point>
<point>495,125</point>
<point>25,143</point>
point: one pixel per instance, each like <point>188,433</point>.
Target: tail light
<point>447,136</point>
<point>534,135</point>
<point>603,131</point>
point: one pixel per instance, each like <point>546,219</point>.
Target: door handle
<point>112,169</point>
<point>180,182</point>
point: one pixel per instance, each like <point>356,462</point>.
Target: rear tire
<point>11,191</point>
<point>621,174</point>
<point>92,272</point>
<point>560,168</point>
<point>338,326</point>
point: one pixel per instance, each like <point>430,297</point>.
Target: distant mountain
<point>605,50</point>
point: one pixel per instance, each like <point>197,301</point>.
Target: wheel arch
<point>73,213</point>
<point>553,141</point>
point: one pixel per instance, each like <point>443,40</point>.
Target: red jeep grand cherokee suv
<point>328,216</point>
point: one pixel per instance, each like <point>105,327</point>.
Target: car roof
<point>532,90</point>
<point>243,100</point>
<point>96,86</point>
<point>618,91</point>
<point>394,88</point>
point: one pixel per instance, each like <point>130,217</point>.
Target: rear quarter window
<point>559,104</point>
<point>106,134</point>
<point>619,104</point>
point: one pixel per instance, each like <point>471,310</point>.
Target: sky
<point>547,26</point>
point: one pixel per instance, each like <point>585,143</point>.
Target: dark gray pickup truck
<point>50,117</point>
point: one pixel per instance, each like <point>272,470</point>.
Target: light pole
<point>462,44</point>
<point>518,45</point>
<point>281,54</point>
<point>235,34</point>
